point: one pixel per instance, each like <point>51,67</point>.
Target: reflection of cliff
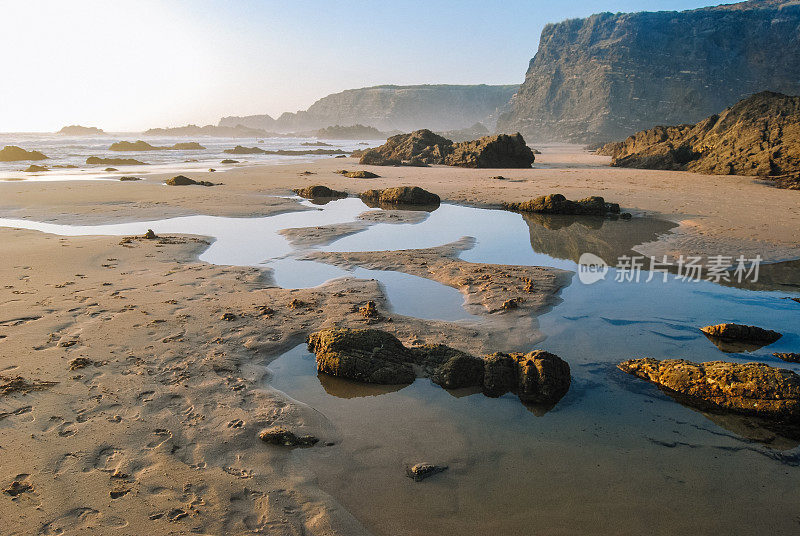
<point>774,276</point>
<point>568,237</point>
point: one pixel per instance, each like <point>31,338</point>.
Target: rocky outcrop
<point>93,160</point>
<point>423,147</point>
<point>478,130</point>
<point>316,191</point>
<point>403,195</point>
<point>182,180</point>
<point>235,131</point>
<point>558,204</point>
<point>751,388</point>
<point>187,146</point>
<point>240,149</point>
<point>141,146</point>
<point>388,108</point>
<point>758,136</point>
<point>12,153</point>
<point>375,356</point>
<point>607,76</point>
<point>78,130</point>
<point>739,332</point>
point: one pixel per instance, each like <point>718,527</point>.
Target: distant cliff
<point>388,108</point>
<point>607,76</point>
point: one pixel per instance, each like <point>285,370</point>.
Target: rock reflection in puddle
<point>735,347</point>
<point>341,388</point>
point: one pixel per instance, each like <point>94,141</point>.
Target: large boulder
<point>500,151</point>
<point>403,195</point>
<point>366,355</point>
<point>537,377</point>
<point>12,153</point>
<point>420,148</point>
<point>751,388</point>
<point>558,204</point>
<point>316,191</point>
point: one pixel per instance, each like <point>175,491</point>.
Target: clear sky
<point>136,64</point>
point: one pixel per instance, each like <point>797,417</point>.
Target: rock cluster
<point>403,195</point>
<point>312,192</point>
<point>375,356</point>
<point>12,153</point>
<point>751,388</point>
<point>759,135</point>
<point>423,148</point>
<point>558,204</point>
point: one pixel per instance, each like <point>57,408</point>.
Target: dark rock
<point>124,179</point>
<point>181,180</point>
<point>149,235</point>
<point>421,471</point>
<point>110,169</point>
<point>318,191</point>
<point>404,195</point>
<point>229,161</point>
<point>282,436</point>
<point>558,204</point>
<point>79,363</point>
<point>361,174</point>
<point>92,160</point>
<point>537,377</point>
<point>420,148</point>
<point>138,145</point>
<point>239,149</point>
<point>500,151</point>
<point>12,153</point>
<point>789,357</point>
<point>228,317</point>
<point>751,388</point>
<point>511,304</point>
<point>33,168</point>
<point>606,76</point>
<point>366,355</point>
<point>370,310</point>
<point>757,136</point>
<point>450,368</point>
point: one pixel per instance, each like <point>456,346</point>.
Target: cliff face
<point>607,76</point>
<point>758,136</point>
<point>387,108</point>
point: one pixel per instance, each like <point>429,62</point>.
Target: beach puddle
<point>614,456</point>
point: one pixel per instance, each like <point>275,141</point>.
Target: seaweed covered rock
<point>751,388</point>
<point>367,355</point>
<point>12,153</point>
<point>742,333</point>
<point>558,204</point>
<point>419,148</point>
<point>403,195</point>
<point>500,151</point>
<point>311,192</point>
<point>537,377</point>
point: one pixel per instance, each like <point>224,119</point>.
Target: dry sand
<point>140,407</point>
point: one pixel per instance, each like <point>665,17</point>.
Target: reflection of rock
<point>321,235</point>
<point>538,377</point>
<point>374,356</point>
<point>343,388</point>
<point>778,436</point>
<point>751,389</point>
<point>568,237</point>
<point>558,204</point>
<point>394,216</point>
<point>319,191</point>
<point>734,338</point>
<point>403,195</point>
<point>12,153</point>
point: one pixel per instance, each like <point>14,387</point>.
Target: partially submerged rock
<point>229,161</point>
<point>114,161</point>
<point>188,146</point>
<point>33,168</point>
<point>132,146</point>
<point>311,192</point>
<point>423,148</point>
<point>421,471</point>
<point>404,195</point>
<point>182,180</point>
<point>751,388</point>
<point>125,179</point>
<point>12,153</point>
<point>360,174</point>
<point>284,437</point>
<point>789,357</point>
<point>375,356</point>
<point>558,204</point>
<point>239,149</point>
<point>742,333</point>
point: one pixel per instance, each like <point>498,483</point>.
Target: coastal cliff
<point>388,108</point>
<point>607,76</point>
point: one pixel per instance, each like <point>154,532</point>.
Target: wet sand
<point>156,428</point>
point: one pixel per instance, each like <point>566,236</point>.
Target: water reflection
<point>735,347</point>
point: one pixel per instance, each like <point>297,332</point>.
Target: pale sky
<point>137,64</point>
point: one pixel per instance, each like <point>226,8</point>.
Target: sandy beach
<point>140,371</point>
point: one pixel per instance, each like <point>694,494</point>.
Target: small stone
<point>228,317</point>
<point>150,235</point>
<point>421,471</point>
